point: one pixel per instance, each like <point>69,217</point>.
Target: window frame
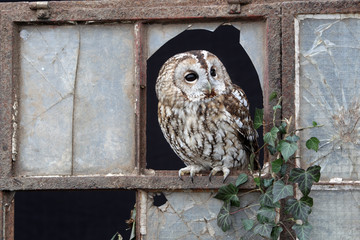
<point>290,12</point>
<point>14,15</point>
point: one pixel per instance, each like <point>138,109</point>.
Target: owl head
<point>197,75</point>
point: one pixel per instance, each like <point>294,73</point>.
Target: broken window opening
<point>223,41</point>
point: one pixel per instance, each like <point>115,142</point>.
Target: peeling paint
<point>15,128</point>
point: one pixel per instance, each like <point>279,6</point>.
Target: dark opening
<point>90,215</point>
<point>159,199</point>
<point>224,43</point>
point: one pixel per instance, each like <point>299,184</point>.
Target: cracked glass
<point>328,86</point>
<point>331,219</point>
<point>76,100</point>
<point>193,215</point>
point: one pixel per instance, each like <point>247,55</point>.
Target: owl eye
<point>190,77</point>
<point>213,72</point>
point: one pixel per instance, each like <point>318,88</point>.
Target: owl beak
<point>210,91</point>
<point>209,87</point>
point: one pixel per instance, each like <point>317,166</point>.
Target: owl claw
<point>226,172</point>
<point>214,171</point>
<point>192,169</point>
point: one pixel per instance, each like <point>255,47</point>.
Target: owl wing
<point>236,104</point>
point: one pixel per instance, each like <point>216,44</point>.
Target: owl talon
<point>226,172</point>
<point>214,171</point>
<point>192,169</point>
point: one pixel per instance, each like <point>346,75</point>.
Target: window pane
<point>329,60</point>
<point>56,215</point>
<point>335,215</point>
<point>193,215</point>
<point>93,131</point>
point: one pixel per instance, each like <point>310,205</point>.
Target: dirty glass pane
<point>252,38</point>
<point>328,65</point>
<point>335,215</point>
<point>91,132</point>
<point>192,215</point>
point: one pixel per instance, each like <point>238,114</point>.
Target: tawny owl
<point>203,115</point>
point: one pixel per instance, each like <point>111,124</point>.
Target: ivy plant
<point>277,189</point>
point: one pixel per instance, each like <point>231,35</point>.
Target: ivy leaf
<point>257,181</point>
<point>307,200</point>
<point>282,128</point>
<point>268,182</point>
<point>280,190</point>
<point>305,178</point>
<point>314,124</point>
<point>266,214</point>
<point>292,139</point>
<point>302,231</point>
<point>276,107</point>
<point>283,169</point>
<point>276,165</point>
<point>264,229</point>
<point>267,199</point>
<point>297,208</point>
<point>270,137</point>
<point>275,233</point>
<point>258,118</point>
<point>242,178</point>
<point>223,218</point>
<point>272,96</point>
<point>287,149</point>
<point>228,193</point>
<point>271,149</point>
<point>247,223</point>
<point>313,143</point>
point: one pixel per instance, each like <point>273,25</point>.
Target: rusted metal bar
<point>140,79</point>
<point>7,215</point>
<point>7,95</point>
<point>156,182</point>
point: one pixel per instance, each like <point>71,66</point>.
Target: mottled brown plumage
<point>203,115</point>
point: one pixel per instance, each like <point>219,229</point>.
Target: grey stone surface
<point>76,100</point>
<point>328,50</point>
<point>193,215</point>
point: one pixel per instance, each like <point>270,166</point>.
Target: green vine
<point>276,187</point>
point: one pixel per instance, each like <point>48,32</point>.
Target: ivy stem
<point>304,128</point>
<point>274,115</point>
<point>241,209</point>
<point>261,148</point>
<point>254,190</point>
<point>288,230</point>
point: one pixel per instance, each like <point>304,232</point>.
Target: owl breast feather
<point>204,133</point>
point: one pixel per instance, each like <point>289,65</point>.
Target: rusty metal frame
<point>13,15</point>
